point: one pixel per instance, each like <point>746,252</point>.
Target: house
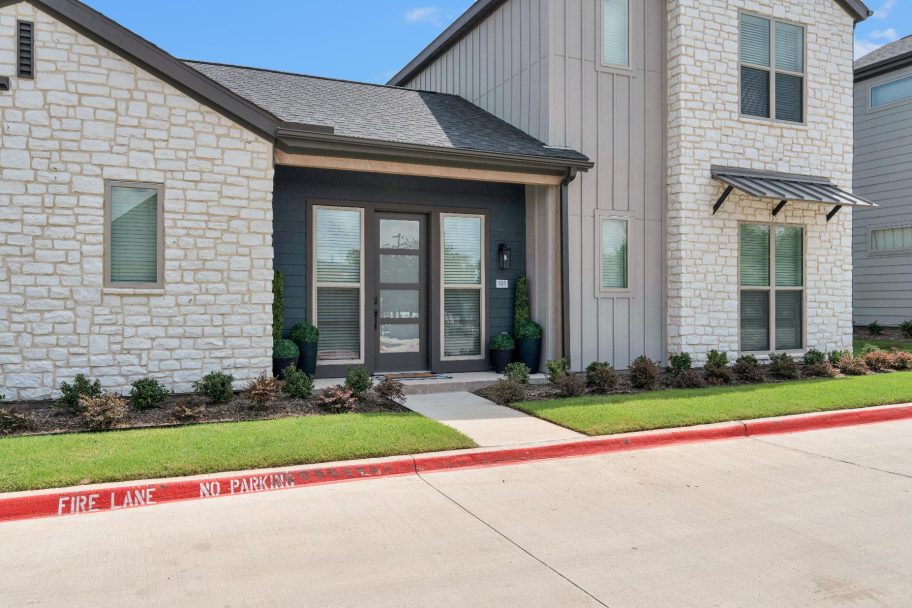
<point>882,241</point>
<point>145,201</point>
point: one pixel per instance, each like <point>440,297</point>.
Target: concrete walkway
<point>488,424</point>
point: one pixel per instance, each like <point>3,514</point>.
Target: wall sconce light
<point>504,256</point>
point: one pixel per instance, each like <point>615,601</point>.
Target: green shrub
<point>518,371</point>
<point>521,311</point>
<point>147,393</point>
<point>570,385</point>
<point>906,328</point>
<point>338,398</point>
<point>821,369</point>
<point>502,341</point>
<point>783,366</point>
<point>278,305</point>
<point>875,329</point>
<point>867,349</point>
<point>529,330</point>
<point>601,377</point>
<point>644,373</point>
<point>689,378</point>
<point>747,369</point>
<point>285,349</point>
<point>390,389</point>
<point>814,357</point>
<point>852,366</point>
<point>679,363</point>
<point>297,384</point>
<point>717,375</point>
<point>263,391</point>
<point>358,380</point>
<point>716,359</point>
<point>305,333</point>
<point>556,367</point>
<point>506,391</point>
<point>12,422</point>
<point>100,412</point>
<point>836,355</point>
<point>72,393</point>
<point>216,387</point>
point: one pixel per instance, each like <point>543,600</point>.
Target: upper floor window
<point>772,69</point>
<point>133,230</point>
<point>891,239</point>
<point>890,92</point>
<point>616,32</point>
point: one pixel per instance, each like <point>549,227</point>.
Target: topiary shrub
<point>72,393</point>
<point>556,367</point>
<point>338,398</point>
<point>689,378</point>
<point>285,349</point>
<point>783,366</point>
<point>147,393</point>
<point>902,360</point>
<point>875,329</point>
<point>814,357</point>
<point>601,377</point>
<point>304,333</point>
<point>506,391</point>
<point>297,383</point>
<point>570,385</point>
<point>390,389</point>
<point>852,366</point>
<point>529,330</point>
<point>836,355</point>
<point>518,371</point>
<point>823,369</point>
<point>644,373</point>
<point>747,369</point>
<point>100,412</point>
<point>502,341</point>
<point>216,387</point>
<point>358,381</point>
<point>522,314</point>
<point>12,422</point>
<point>278,305</point>
<point>679,363</point>
<point>188,410</point>
<point>263,391</point>
<point>879,360</point>
<point>906,328</point>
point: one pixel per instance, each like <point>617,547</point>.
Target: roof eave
<point>884,66</point>
<point>857,9</point>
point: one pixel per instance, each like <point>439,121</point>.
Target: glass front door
<point>400,298</point>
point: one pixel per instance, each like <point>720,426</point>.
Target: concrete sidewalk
<point>486,423</point>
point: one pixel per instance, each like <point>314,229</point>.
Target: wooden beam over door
<point>313,161</point>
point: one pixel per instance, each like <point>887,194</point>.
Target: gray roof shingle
<point>887,51</point>
<point>382,113</point>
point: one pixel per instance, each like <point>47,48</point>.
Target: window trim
<point>481,287</point>
<point>316,284</point>
<point>602,291</point>
<point>109,185</point>
<point>772,70</point>
<point>892,104</point>
<point>615,67</point>
<point>773,289</point>
<point>881,252</point>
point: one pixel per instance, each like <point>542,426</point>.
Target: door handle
<point>376,314</point>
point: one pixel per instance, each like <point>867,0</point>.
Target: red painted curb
<point>133,495</point>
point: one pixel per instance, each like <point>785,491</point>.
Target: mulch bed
<point>44,418</point>
<point>889,333</point>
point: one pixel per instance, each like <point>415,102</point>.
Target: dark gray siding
<point>882,282</point>
<point>294,187</point>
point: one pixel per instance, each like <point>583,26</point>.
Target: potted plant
<point>501,347</point>
<point>527,332</point>
<point>284,355</point>
<point>306,336</point>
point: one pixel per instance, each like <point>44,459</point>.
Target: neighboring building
<point>883,173</point>
<point>657,93</point>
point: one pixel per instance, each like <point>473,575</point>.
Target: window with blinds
<point>339,283</point>
<point>463,286</point>
<point>616,32</point>
<point>772,69</point>
<point>133,213</point>
<point>891,92</point>
<point>891,239</point>
<point>614,254</point>
<point>772,287</point>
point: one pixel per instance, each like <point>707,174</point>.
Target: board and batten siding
<point>882,282</point>
<point>616,117</point>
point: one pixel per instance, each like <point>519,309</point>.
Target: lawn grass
<point>28,463</point>
<point>883,344</point>
<point>607,415</point>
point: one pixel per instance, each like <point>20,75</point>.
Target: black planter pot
<point>307,362</point>
<point>280,365</point>
<point>500,359</point>
<point>528,351</point>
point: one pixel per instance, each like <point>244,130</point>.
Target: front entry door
<point>400,295</point>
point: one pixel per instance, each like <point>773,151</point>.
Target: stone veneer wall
<point>91,116</point>
<point>704,128</point>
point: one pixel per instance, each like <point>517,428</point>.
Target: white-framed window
<point>772,58</point>
<point>898,238</point>
<point>891,92</point>
<point>338,299</point>
<point>462,301</point>
<point>134,234</point>
<point>616,33</point>
<point>771,287</point>
<point>613,239</point>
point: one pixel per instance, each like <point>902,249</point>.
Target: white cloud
<point>425,14</point>
<point>863,47</point>
<point>887,35</point>
<point>874,40</point>
<point>884,11</point>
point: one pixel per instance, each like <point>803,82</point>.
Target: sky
<point>366,40</point>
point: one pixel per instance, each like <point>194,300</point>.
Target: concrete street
<point>810,519</point>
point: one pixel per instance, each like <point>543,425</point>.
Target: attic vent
<point>26,49</point>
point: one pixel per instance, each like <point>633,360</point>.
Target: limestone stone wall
<point>705,128</point>
<point>90,116</point>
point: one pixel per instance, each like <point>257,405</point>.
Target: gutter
<point>565,262</point>
<point>882,67</point>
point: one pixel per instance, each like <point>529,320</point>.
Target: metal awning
<point>785,187</point>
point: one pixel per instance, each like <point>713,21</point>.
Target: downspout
<point>565,261</point>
